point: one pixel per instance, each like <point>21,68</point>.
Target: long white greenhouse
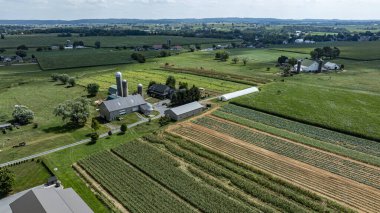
<point>229,96</point>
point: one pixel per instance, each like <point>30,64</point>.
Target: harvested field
<point>359,172</point>
<point>343,190</point>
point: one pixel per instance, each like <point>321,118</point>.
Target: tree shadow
<point>62,129</point>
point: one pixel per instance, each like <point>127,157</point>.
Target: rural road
<point>160,107</point>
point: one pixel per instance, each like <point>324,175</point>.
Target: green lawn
<point>338,109</point>
<point>29,175</point>
<point>41,96</point>
<point>64,159</point>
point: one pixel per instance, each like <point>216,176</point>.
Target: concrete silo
<point>125,88</point>
<point>119,78</point>
<point>299,63</point>
<point>140,89</point>
<point>320,65</point>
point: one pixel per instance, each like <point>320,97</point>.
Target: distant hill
<point>172,21</point>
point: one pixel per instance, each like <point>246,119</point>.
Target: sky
<point>158,9</point>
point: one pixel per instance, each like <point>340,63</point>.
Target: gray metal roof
<point>186,108</point>
<point>124,102</point>
<point>50,200</point>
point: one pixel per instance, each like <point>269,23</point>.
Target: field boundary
<point>99,188</point>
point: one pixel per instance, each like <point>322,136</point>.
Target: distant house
<point>19,59</point>
<point>50,200</point>
<point>157,47</point>
<point>299,41</point>
<point>54,47</point>
<point>331,66</point>
<point>184,111</point>
<point>111,109</point>
<point>309,42</point>
<point>69,47</point>
<point>160,91</point>
<point>177,48</point>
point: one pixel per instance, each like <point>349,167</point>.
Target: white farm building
<point>313,66</point>
<point>236,94</point>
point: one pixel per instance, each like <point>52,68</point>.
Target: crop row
<point>167,171</point>
<point>346,168</point>
<point>134,190</point>
<point>362,198</point>
<point>329,147</point>
<point>347,141</point>
<point>269,190</point>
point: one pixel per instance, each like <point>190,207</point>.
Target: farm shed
<point>50,200</point>
<point>331,66</point>
<point>184,111</point>
<point>112,109</point>
<point>5,126</point>
<point>236,94</point>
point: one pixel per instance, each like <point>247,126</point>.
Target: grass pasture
<point>327,107</point>
<point>38,40</point>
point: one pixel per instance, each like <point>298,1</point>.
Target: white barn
<point>236,94</point>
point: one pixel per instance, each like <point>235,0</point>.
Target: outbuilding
<point>236,94</point>
<point>111,109</point>
<point>184,111</point>
<point>50,200</point>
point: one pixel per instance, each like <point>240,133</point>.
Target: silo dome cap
<point>118,74</point>
<point>140,85</point>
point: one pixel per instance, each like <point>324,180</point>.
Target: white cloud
<point>153,9</point>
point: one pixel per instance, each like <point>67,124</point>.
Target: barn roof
<point>186,108</point>
<point>124,102</point>
<point>159,88</point>
<point>50,200</point>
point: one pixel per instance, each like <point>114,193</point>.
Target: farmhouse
<point>315,66</point>
<point>157,47</point>
<point>236,94</point>
<point>184,111</point>
<point>50,200</point>
<point>111,109</point>
<point>160,91</point>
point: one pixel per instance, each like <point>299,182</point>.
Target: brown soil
<point>345,191</point>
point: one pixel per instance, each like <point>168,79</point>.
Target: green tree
<point>245,61</point>
<point>292,61</point>
<point>94,137</point>
<point>72,81</point>
<point>222,55</point>
<point>2,50</point>
<point>6,181</point>
<point>164,53</point>
<point>22,115</point>
<point>21,53</point>
<point>235,60</point>
<point>22,47</point>
<point>97,44</point>
<point>76,111</point>
<point>183,85</point>
<point>163,121</point>
<point>95,124</point>
<point>198,46</point>
<point>55,76</point>
<point>93,89</point>
<point>282,59</point>
<point>2,36</point>
<point>123,128</point>
<point>170,81</point>
<point>151,83</point>
<point>64,78</point>
<point>138,57</point>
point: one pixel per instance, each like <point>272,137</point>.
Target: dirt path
<point>99,188</point>
<point>345,191</point>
